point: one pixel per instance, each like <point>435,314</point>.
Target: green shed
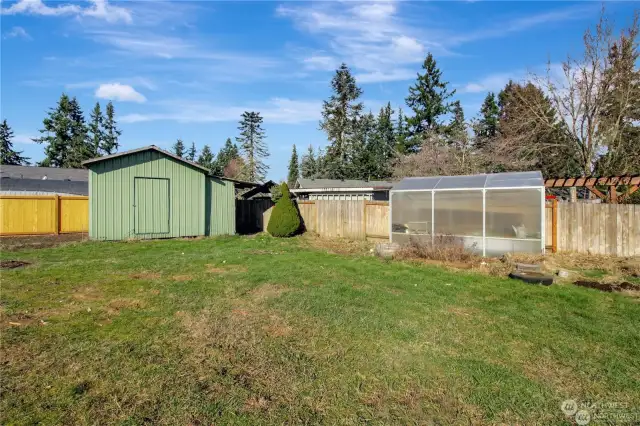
<point>151,193</point>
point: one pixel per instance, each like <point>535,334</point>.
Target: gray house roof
<point>14,186</point>
<point>335,184</point>
<point>53,173</point>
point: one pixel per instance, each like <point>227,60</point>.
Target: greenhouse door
<point>151,208</point>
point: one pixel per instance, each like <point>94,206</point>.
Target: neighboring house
<point>262,191</point>
<point>29,180</point>
<point>152,193</point>
<point>333,189</point>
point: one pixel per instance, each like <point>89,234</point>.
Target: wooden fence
<point>612,229</point>
<point>43,214</point>
<point>580,227</point>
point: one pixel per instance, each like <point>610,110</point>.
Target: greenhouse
<point>491,214</point>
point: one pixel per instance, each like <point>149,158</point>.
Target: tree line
<point>587,122</point>
<point>243,160</point>
<point>69,138</point>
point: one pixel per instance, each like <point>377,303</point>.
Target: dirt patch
<point>461,311</point>
<point>145,275</point>
<point>608,287</point>
<point>87,294</point>
<point>226,268</point>
<point>182,278</point>
<point>267,291</point>
<point>115,306</point>
<point>12,264</point>
<point>277,327</point>
<point>22,242</point>
<point>256,403</point>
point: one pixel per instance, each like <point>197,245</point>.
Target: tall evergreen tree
<point>294,169</point>
<point>486,129</point>
<point>111,133</point>
<point>205,159</point>
<point>7,155</point>
<point>308,168</point>
<point>402,145</point>
<point>428,100</point>
<point>178,148</point>
<point>191,153</point>
<point>252,144</point>
<point>339,120</point>
<point>382,145</point>
<point>363,158</point>
<point>57,134</point>
<point>96,134</point>
<point>458,123</point>
<point>81,148</point>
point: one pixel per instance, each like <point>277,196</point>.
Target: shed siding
<point>220,207</point>
<point>111,194</point>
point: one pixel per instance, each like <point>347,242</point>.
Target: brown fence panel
<point>309,215</point>
<point>376,219</point>
<point>612,229</point>
<point>341,219</point>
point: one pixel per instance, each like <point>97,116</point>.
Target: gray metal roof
<point>238,183</point>
<point>480,181</point>
<point>336,183</point>
<point>53,173</point>
<point>48,185</point>
<point>145,148</point>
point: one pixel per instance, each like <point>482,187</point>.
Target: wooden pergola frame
<point>613,197</point>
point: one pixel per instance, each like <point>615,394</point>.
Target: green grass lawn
<point>266,331</point>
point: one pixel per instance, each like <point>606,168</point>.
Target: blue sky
<point>189,69</point>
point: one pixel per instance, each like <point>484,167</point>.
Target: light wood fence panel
<point>612,229</point>
<point>376,219</point>
<point>43,214</point>
<point>309,217</point>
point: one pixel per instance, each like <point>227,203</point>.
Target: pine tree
<point>486,129</point>
<point>339,120</point>
<point>402,145</point>
<point>57,134</point>
<point>7,155</point>
<point>178,148</point>
<point>95,130</point>
<point>381,147</point>
<point>363,158</point>
<point>227,153</point>
<point>457,135</point>
<point>428,100</point>
<point>308,166</point>
<point>191,153</point>
<point>81,146</point>
<point>294,170</point>
<point>285,219</point>
<point>110,131</point>
<point>252,144</point>
<point>206,160</point>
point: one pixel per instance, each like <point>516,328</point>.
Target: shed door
<point>151,207</point>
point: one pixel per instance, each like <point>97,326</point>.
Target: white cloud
<point>369,36</point>
<point>18,32</point>
<point>491,83</point>
<point>23,139</point>
<point>321,62</point>
<point>276,110</point>
<point>130,81</point>
<point>119,92</point>
<point>99,9</point>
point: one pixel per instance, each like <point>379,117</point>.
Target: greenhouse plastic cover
<point>481,181</point>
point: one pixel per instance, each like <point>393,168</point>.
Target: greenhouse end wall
<point>490,222</point>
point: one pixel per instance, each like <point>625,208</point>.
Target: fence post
<point>57,216</point>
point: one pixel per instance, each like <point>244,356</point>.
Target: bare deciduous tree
<point>586,104</point>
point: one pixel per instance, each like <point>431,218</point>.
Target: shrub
<point>285,220</point>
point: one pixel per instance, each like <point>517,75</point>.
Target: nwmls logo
<point>585,412</point>
<point>571,409</point>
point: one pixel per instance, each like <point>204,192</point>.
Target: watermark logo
<point>585,412</point>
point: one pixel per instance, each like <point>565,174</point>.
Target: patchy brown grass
<point>145,275</point>
<point>267,291</point>
<point>87,294</point>
<point>336,245</point>
<point>225,268</point>
<point>21,242</point>
<point>115,306</point>
<point>182,278</point>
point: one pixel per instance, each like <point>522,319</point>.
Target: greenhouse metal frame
<point>491,214</point>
